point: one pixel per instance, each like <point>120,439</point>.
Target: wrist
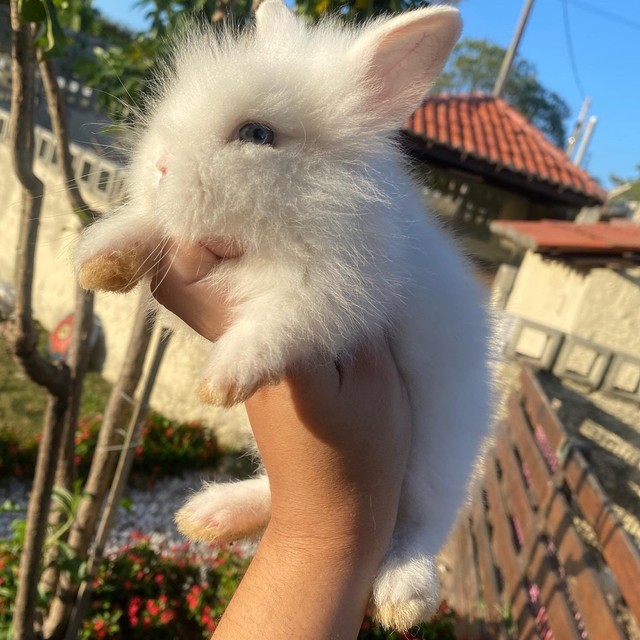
<point>302,585</point>
<point>357,533</point>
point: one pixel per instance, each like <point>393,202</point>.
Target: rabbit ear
<point>273,18</point>
<point>403,57</point>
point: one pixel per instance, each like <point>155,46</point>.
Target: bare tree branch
<point>55,104</point>
<point>101,471</point>
<point>80,344</point>
<point>21,332</point>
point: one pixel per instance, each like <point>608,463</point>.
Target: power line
<point>572,55</point>
<point>615,17</point>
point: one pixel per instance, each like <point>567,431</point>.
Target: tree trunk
<point>224,8</point>
<point>55,104</point>
<point>65,477</point>
<point>118,485</point>
<point>37,515</point>
<point>102,470</point>
<point>79,349</point>
<point>80,344</point>
<point>22,334</point>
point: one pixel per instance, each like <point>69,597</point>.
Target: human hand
<point>334,439</point>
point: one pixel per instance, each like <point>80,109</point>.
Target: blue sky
<point>606,52</point>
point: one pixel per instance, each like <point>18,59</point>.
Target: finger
<point>185,264</point>
<point>180,284</point>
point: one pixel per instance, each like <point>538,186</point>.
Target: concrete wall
<point>54,298</point>
<point>599,304</point>
<point>610,313</point>
<point>547,291</point>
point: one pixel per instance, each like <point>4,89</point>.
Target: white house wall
<point>54,287</point>
<point>548,292</point>
<point>610,314</point>
<point>601,305</point>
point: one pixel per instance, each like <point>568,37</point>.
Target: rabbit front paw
<point>117,270</point>
<point>240,364</point>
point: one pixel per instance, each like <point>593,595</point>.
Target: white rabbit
<point>280,140</point>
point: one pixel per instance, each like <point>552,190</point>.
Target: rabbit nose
<point>161,166</point>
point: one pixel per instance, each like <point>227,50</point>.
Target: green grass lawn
<point>22,403</point>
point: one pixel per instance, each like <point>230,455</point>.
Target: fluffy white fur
<point>337,248</point>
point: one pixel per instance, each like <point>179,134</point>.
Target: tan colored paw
<point>197,530</point>
<point>400,616</point>
<point>117,271</point>
<point>227,397</point>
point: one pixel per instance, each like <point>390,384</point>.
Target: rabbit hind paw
<point>225,396</point>
<point>405,593</point>
<point>226,512</point>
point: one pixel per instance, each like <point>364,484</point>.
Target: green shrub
<point>142,592</point>
<point>17,455</point>
<point>165,448</point>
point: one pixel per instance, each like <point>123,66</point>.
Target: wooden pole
<point>573,139</point>
<point>513,49</point>
<point>586,139</point>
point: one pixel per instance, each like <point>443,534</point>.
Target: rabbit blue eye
<point>256,134</point>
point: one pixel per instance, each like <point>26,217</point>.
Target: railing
<point>101,177</point>
<point>516,564</point>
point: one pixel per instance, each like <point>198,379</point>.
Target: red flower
<point>133,610</point>
<point>152,607</point>
<point>167,616</point>
<point>209,622</point>
<point>138,535</point>
<point>444,608</point>
<point>193,597</point>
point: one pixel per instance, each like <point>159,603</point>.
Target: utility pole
<point>586,140</point>
<point>513,49</point>
<point>577,130</point>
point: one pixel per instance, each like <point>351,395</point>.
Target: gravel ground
<point>151,511</point>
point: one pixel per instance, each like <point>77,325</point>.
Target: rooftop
<point>569,238</point>
<point>491,137</point>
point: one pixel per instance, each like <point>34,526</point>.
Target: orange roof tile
<point>489,130</point>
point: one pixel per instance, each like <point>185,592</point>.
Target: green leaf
<point>32,10</point>
<point>9,507</point>
<point>19,528</point>
<point>56,40</point>
<point>51,39</point>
